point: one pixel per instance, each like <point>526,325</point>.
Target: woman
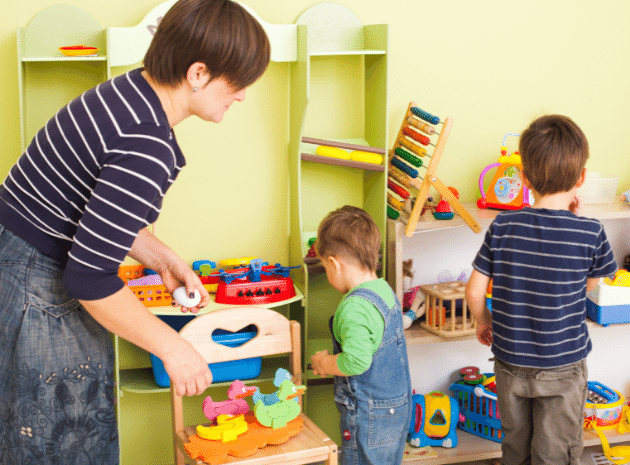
<point>75,204</point>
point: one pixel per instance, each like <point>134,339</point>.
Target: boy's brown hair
<point>554,151</point>
<point>351,233</point>
<point>218,33</point>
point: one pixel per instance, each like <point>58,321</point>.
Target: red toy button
<point>346,435</point>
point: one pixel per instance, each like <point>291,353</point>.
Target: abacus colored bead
<point>397,189</point>
<point>402,166</point>
<point>428,117</point>
<point>415,135</point>
<point>409,157</point>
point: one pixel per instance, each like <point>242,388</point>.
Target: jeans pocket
<point>569,371</point>
<point>46,291</point>
<point>388,420</point>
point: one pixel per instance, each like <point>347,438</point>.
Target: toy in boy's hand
<point>184,299</point>
<point>234,405</point>
<point>625,197</point>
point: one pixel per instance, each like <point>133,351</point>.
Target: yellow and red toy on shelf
<point>506,191</point>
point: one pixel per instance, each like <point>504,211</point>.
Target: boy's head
<point>350,233</point>
<point>554,151</point>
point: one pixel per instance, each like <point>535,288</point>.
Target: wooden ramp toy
<point>406,161</point>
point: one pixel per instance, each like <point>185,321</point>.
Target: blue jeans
<point>57,392</point>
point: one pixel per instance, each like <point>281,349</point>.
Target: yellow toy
<point>228,428</point>
<point>622,278</point>
<point>434,420</point>
<point>335,152</point>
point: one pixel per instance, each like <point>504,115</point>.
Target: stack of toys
<point>477,399</point>
<point>240,431</point>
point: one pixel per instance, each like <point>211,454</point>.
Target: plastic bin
<point>479,406</point>
<point>247,368</point>
<point>598,188</point>
<point>608,304</point>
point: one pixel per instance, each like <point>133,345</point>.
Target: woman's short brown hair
<point>554,151</point>
<point>351,233</point>
<point>218,33</point>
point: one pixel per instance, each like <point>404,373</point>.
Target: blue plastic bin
<point>247,368</point>
<point>481,411</point>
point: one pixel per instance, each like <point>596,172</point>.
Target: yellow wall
<point>492,65</point>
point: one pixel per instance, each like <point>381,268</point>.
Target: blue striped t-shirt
<point>91,179</point>
<point>539,261</point>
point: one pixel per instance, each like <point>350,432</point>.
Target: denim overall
<point>57,394</point>
<point>375,406</point>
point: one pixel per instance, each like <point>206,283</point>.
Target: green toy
<point>283,410</point>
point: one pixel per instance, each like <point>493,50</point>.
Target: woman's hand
<point>177,273</point>
<point>188,371</point>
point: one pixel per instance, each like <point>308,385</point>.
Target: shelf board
<point>472,448</point>
<point>63,58</point>
<point>213,306</point>
<point>141,380</point>
<point>327,53</point>
<point>417,335</point>
<point>426,223</point>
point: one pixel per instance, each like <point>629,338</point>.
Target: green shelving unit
<point>340,71</point>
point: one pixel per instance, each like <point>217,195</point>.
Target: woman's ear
<point>582,178</point>
<point>197,75</point>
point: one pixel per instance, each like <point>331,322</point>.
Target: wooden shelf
<point>416,335</point>
<point>616,210</point>
<point>471,448</point>
<point>346,53</point>
<point>213,306</point>
<point>141,380</point>
<point>63,58</point>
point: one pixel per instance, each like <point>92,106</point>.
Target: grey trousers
<point>542,413</point>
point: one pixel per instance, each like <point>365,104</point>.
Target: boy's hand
<point>484,334</point>
<point>317,361</point>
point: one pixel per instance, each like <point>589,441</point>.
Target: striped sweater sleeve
<point>126,198</point>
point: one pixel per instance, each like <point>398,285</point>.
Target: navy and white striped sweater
<point>539,261</point>
<point>91,179</point>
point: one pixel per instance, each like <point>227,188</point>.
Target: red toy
<point>256,284</point>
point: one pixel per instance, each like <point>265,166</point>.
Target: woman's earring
<point>195,89</point>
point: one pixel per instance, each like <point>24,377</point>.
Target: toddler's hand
<point>484,334</point>
<point>316,362</point>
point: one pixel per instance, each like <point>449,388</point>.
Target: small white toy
<point>181,296</point>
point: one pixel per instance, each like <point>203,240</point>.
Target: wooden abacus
<point>406,160</point>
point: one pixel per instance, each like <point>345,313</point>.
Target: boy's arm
<point>476,299</point>
<point>591,283</point>
<point>325,364</point>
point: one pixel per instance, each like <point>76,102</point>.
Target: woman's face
<point>211,101</point>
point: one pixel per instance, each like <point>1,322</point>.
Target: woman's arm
<point>175,272</point>
<point>124,315</point>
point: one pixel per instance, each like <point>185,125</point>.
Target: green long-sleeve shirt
<point>358,326</point>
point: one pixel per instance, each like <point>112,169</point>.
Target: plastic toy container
<point>598,188</point>
<point>247,368</point>
<point>608,304</point>
<point>479,406</point>
<point>607,412</point>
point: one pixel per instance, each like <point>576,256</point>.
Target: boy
<point>372,381</point>
<point>542,261</point>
